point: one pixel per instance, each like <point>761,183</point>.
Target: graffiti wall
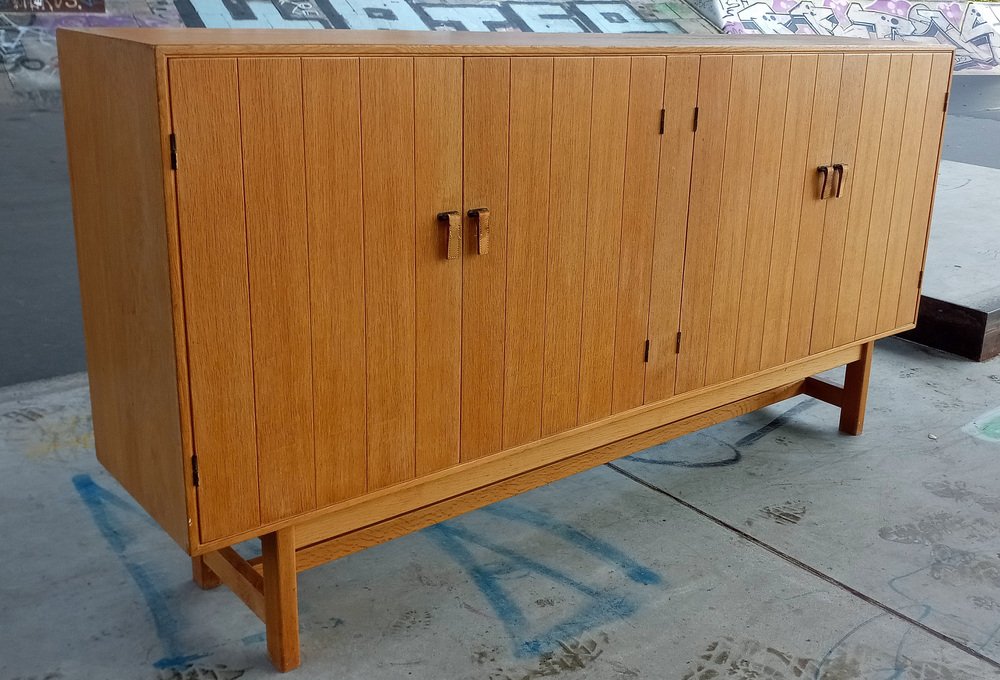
<point>27,38</point>
<point>973,28</point>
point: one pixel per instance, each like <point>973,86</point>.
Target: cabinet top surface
<point>211,41</point>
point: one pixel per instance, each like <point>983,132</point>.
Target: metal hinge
<point>947,96</point>
<point>194,469</point>
<point>173,151</point>
<point>663,119</point>
<point>696,119</point>
<point>645,356</point>
<point>677,349</point>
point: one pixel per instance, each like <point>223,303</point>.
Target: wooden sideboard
<point>338,286</point>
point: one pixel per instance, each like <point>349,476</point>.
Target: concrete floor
<point>769,547</point>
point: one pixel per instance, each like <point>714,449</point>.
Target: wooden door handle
<point>482,217</point>
<point>824,171</point>
<point>454,220</point>
<point>841,170</point>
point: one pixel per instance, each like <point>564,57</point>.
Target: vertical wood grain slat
<point>884,190</point>
<point>680,95</point>
<point>277,230</point>
<point>788,210</point>
<point>861,196</point>
<point>738,165</point>
<point>388,181</point>
<point>927,163</point>
<point>638,223</point>
<point>703,219</point>
<point>902,202</point>
<point>205,109</point>
<point>527,233</point>
<point>608,128</point>
<point>831,261</point>
<point>332,106</point>
<point>829,71</point>
<point>484,277</point>
<point>437,125</point>
<point>760,220</point>
<point>572,88</point>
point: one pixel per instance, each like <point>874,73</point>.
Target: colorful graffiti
<point>973,28</point>
<point>27,41</point>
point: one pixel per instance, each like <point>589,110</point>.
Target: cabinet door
<point>383,158</point>
<point>565,154</point>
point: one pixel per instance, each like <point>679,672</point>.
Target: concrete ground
<point>769,547</point>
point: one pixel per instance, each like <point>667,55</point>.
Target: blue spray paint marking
<point>580,539</point>
<point>900,667</point>
<point>99,501</point>
<point>602,608</point>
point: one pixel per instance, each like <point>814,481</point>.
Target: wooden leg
<point>855,396</point>
<point>281,599</point>
<point>203,575</point>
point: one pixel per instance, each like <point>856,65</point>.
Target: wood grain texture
<point>861,195</point>
<point>316,554</point>
<point>902,202</point>
<point>855,394</point>
<point>176,41</point>
<point>231,569</point>
<point>437,124</point>
<point>737,173</point>
<point>680,96</point>
<point>572,88</point>
<point>331,90</point>
<point>638,225</point>
<point>608,133</point>
<point>792,190</point>
<point>703,220</point>
<point>809,245</point>
<point>281,599</point>
<point>831,261</point>
<point>527,236</point>
<point>923,194</point>
<point>884,188</point>
<point>205,110</point>
<point>387,142</point>
<point>278,257</point>
<point>484,277</point>
<point>761,214</point>
<point>114,141</point>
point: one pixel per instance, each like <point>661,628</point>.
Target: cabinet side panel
<point>387,176</point>
<point>437,127</point>
<point>923,195</point>
<point>331,93</point>
<point>527,233</point>
<point>608,128</point>
<point>277,236</point>
<point>206,122</point>
<point>117,176</point>
<point>680,95</point>
<point>642,166</point>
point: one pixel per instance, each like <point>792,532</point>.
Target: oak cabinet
<point>363,282</point>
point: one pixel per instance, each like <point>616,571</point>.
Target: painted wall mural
<point>972,28</point>
<point>27,38</point>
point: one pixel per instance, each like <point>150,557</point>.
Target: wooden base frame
<point>267,584</point>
